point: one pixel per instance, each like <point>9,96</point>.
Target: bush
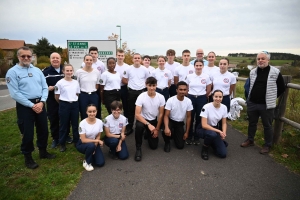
<point>42,65</point>
<point>242,72</point>
<point>43,59</point>
<point>4,67</point>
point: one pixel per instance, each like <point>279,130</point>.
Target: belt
<point>176,121</point>
<point>196,96</point>
<point>136,90</point>
<point>36,100</point>
<point>68,101</point>
<point>88,92</point>
<point>162,89</point>
<point>115,90</point>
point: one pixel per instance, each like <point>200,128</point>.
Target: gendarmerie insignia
<point>7,80</point>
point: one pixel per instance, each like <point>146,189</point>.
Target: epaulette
<point>45,68</point>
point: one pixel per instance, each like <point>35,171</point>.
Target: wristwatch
<point>147,124</point>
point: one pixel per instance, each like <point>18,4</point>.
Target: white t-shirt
<point>162,77</point>
<point>121,69</point>
<point>213,114</point>
<point>99,65</point>
<point>110,81</point>
<point>178,108</point>
<point>150,68</point>
<point>88,80</point>
<point>182,71</point>
<point>223,81</point>
<point>115,125</point>
<point>210,70</point>
<point>197,84</point>
<point>150,106</point>
<point>67,90</point>
<point>136,77</point>
<point>90,130</point>
<point>172,67</point>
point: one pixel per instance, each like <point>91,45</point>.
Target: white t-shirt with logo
<point>197,84</point>
<point>178,108</point>
<point>223,82</point>
<point>213,114</point>
<point>88,80</point>
<point>120,70</point>
<point>150,68</point>
<point>110,81</point>
<point>115,125</point>
<point>172,68</point>
<point>182,71</point>
<point>67,90</point>
<point>162,77</point>
<point>99,65</point>
<point>136,77</point>
<point>90,130</point>
<point>150,106</point>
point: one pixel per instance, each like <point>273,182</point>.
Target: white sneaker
<point>87,167</point>
<point>91,167</point>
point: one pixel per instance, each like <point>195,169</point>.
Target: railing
<point>280,109</point>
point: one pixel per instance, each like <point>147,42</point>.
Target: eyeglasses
<point>25,56</point>
<point>199,53</point>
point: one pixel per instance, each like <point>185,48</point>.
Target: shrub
<point>43,59</point>
<point>42,65</point>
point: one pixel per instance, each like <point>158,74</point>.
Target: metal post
<point>120,37</point>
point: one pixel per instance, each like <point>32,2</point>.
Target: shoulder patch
<point>124,72</point>
<point>7,80</point>
<point>74,77</point>
<point>55,88</point>
<point>80,130</point>
<point>203,110</point>
<point>101,81</point>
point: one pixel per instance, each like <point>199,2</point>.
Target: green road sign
<point>78,45</point>
<point>104,53</point>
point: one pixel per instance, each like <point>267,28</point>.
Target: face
<point>68,71</point>
<point>262,60</point>
<point>186,57</point>
<point>55,60</point>
<point>91,112</point>
<point>136,60</point>
<point>88,60</point>
<point>151,87</point>
<point>171,58</point>
<point>198,66</point>
<point>146,62</point>
<point>116,113</point>
<point>111,64</point>
<point>211,57</point>
<point>223,64</point>
<point>120,57</point>
<point>218,96</point>
<point>94,55</point>
<point>161,62</point>
<point>24,58</point>
<point>181,90</point>
<point>199,54</point>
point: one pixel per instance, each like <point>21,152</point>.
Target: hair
<point>266,53</point>
<point>23,48</point>
<point>110,58</point>
<point>171,52</point>
<point>181,83</point>
<point>93,49</point>
<point>66,65</point>
<point>198,60</point>
<point>217,90</point>
<point>116,104</point>
<point>161,57</point>
<point>212,52</point>
<point>120,51</point>
<point>185,51</point>
<point>146,56</point>
<point>90,106</point>
<point>136,54</point>
<point>87,55</point>
<point>151,80</point>
<point>225,59</point>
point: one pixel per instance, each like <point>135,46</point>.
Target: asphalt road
<point>6,101</point>
<point>182,174</point>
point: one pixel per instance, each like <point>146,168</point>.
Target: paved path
<point>6,101</point>
<point>182,174</point>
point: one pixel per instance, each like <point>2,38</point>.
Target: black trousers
<point>132,96</point>
<point>52,112</point>
<point>177,132</point>
<point>109,96</point>
<point>139,130</point>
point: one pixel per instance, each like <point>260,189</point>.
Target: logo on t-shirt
<point>120,125</point>
<point>101,81</point>
<point>55,88</point>
<point>226,80</point>
<point>191,71</point>
<point>166,75</point>
<point>124,72</point>
<point>203,81</point>
<point>99,68</point>
<point>80,129</point>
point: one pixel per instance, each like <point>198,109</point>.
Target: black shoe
<point>167,147</point>
<point>113,156</point>
<point>204,153</point>
<point>62,148</point>
<point>44,154</point>
<point>138,154</point>
<point>226,143</point>
<point>128,131</point>
<point>69,140</point>
<point>54,144</point>
<point>29,162</point>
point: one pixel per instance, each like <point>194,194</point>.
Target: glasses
<point>199,53</point>
<point>25,56</point>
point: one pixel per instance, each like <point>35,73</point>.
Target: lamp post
<point>120,36</point>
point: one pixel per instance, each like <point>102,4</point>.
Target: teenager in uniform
<point>163,77</point>
<point>110,84</point>
<point>171,65</point>
<point>120,68</point>
<point>199,89</point>
<point>89,80</point>
<point>210,68</point>
<point>149,115</point>
<point>114,126</point>
<point>66,94</point>
<point>146,63</point>
<point>213,126</point>
<point>177,109</point>
<point>184,69</point>
<point>135,77</point>
<point>28,87</point>
<point>89,143</point>
<point>224,81</point>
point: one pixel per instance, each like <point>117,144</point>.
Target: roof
<point>11,44</point>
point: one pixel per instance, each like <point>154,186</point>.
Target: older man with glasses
<point>28,87</point>
<point>199,55</point>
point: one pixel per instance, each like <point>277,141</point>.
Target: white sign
<point>77,49</point>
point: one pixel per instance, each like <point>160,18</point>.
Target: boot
<point>44,154</point>
<point>204,153</point>
<point>29,162</point>
<point>138,154</point>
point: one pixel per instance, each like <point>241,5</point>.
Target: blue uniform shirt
<point>205,62</point>
<point>26,83</point>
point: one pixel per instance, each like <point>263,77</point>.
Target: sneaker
<point>247,143</point>
<point>204,153</point>
<point>87,167</point>
<point>188,141</point>
<point>62,148</point>
<point>69,140</point>
<point>54,144</point>
<point>196,142</point>
<point>265,150</point>
<point>113,155</point>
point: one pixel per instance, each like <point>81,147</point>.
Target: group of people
<point>185,102</point>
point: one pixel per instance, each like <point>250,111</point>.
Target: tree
<point>43,48</point>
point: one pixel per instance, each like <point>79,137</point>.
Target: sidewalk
<point>182,174</point>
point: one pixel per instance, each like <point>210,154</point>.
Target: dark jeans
<point>177,132</point>
<point>164,92</point>
<point>172,90</point>
<point>124,98</point>
<point>52,112</point>
<point>225,101</point>
<point>27,118</point>
<point>84,100</point>
<point>110,96</point>
<point>112,143</point>
<point>198,102</point>
<point>139,130</point>
<point>132,96</point>
<point>88,149</point>
<point>255,111</point>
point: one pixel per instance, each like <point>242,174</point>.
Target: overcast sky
<point>151,27</point>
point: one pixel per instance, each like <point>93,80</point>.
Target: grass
<point>53,179</point>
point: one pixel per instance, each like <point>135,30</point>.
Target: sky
<point>153,27</point>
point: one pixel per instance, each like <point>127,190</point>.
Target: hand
<point>155,133</point>
<point>151,128</point>
<point>38,107</point>
<point>51,88</point>
<point>185,135</point>
<point>222,135</point>
<point>123,136</point>
<point>101,143</point>
<point>167,132</point>
<point>118,149</point>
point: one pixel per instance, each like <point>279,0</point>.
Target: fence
<point>280,109</point>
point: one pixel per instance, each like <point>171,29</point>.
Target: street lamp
<point>120,36</point>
